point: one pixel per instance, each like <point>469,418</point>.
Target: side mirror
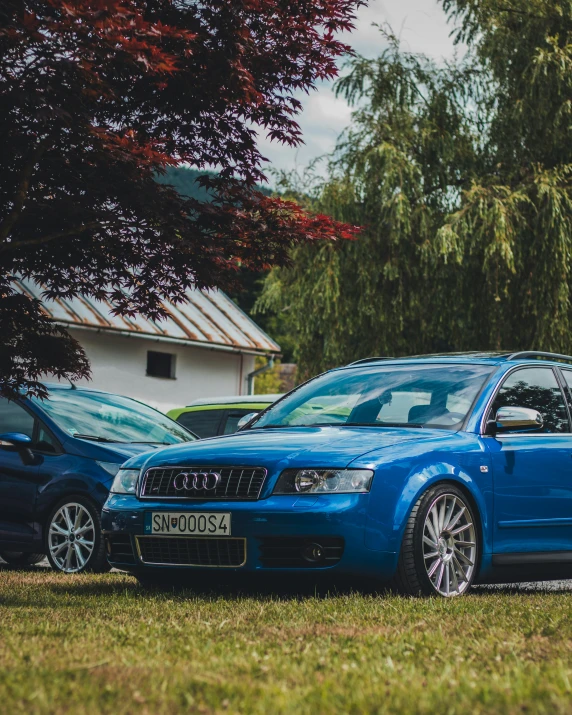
<point>246,419</point>
<point>518,418</point>
<point>15,441</point>
<point>18,442</point>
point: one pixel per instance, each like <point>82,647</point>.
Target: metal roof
<point>208,319</point>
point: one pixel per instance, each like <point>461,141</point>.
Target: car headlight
<point>324,481</point>
<point>125,481</point>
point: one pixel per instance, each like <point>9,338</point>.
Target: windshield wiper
<point>95,438</point>
<point>153,441</point>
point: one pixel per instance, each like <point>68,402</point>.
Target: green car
<point>219,415</point>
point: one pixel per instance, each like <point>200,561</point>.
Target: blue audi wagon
<point>432,473</point>
<point>58,457</point>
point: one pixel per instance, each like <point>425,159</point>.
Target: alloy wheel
<point>449,545</point>
<point>71,537</point>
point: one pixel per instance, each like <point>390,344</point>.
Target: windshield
<point>401,396</point>
<point>110,418</point>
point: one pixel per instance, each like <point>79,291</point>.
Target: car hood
<point>278,448</point>
<point>117,452</point>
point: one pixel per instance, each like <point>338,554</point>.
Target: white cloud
<point>422,27</point>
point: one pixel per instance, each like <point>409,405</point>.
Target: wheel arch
<point>419,484</point>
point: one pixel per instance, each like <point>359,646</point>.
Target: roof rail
<point>524,354</point>
<point>370,359</point>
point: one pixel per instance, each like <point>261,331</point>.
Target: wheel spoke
<point>431,555</point>
<point>458,515</point>
<point>460,568</point>
<point>435,521</point>
<point>432,532</point>
<point>440,576</point>
<point>442,514</point>
<point>460,529</point>
<point>78,515</point>
<point>447,578</point>
<point>464,558</point>
<point>54,528</point>
<point>464,544</point>
<point>449,513</point>
<point>84,528</point>
<point>86,544</point>
<point>454,577</point>
<point>55,550</point>
<point>433,568</point>
<point>67,517</point>
<point>67,562</point>
<point>78,555</point>
<point>430,542</point>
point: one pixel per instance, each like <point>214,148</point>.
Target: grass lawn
<point>94,644</point>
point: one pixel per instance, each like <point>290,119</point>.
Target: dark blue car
<point>58,458</point>
<point>432,473</point>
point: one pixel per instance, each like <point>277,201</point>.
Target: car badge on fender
<point>196,481</point>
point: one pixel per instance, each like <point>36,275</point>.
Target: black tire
<point>97,560</point>
<point>20,558</point>
<point>412,576</point>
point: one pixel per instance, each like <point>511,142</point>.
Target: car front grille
<point>191,551</point>
<point>296,552</point>
<point>238,483</point>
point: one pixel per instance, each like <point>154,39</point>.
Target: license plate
<point>200,524</point>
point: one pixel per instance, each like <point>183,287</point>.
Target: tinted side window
<point>45,442</point>
<point>537,389</point>
<point>233,418</point>
<point>14,418</point>
<point>203,423</point>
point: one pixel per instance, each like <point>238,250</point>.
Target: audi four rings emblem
<point>208,481</point>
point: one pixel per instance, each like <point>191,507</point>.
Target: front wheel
<point>19,558</point>
<point>440,548</point>
<point>73,537</point>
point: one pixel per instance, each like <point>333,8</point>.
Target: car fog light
<point>313,553</point>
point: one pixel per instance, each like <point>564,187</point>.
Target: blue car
<point>58,458</point>
<point>430,473</point>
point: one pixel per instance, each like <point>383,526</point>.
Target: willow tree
<point>460,174</point>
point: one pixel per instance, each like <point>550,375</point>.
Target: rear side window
<point>537,389</point>
<point>14,418</point>
<point>204,423</point>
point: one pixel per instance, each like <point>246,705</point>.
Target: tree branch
<point>22,192</point>
<point>12,245</point>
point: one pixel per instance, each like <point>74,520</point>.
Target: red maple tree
<point>99,96</point>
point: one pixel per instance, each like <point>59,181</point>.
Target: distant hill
<point>185,181</point>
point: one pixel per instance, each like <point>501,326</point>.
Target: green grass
<point>91,644</point>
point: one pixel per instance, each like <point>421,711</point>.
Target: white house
<point>205,348</point>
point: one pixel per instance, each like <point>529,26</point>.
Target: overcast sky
<point>422,27</point>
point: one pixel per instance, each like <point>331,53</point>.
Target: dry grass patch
<point>100,644</point>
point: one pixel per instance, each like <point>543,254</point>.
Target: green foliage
<point>269,382</point>
<point>460,175</point>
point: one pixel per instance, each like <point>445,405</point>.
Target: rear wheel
<point>440,548</point>
<point>19,558</point>
<point>73,537</point>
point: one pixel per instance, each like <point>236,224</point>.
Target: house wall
<point>119,365</point>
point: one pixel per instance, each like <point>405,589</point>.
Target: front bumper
<point>278,525</point>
